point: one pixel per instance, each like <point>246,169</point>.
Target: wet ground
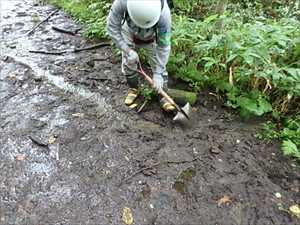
<point>72,153</point>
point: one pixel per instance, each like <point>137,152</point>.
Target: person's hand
<point>158,82</point>
<point>132,57</point>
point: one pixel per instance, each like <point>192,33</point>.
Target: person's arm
<point>114,24</point>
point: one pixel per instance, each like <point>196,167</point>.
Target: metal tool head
<point>183,114</point>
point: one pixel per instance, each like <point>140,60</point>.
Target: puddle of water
<point>36,161</point>
<point>61,84</point>
<point>20,53</point>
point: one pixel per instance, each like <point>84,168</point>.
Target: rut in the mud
<point>72,153</point>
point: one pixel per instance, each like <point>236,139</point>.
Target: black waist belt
<point>138,41</point>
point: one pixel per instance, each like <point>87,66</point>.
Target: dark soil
<point>72,153</point>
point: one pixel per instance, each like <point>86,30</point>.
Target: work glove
<point>132,57</point>
<point>158,82</point>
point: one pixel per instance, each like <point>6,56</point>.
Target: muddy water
<point>70,151</point>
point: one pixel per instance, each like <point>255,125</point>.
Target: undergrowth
<point>248,51</point>
<point>288,132</point>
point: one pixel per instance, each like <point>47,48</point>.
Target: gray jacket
<point>163,30</point>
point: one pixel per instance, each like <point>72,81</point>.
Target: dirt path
<point>69,147</point>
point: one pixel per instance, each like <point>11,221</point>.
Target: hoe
<point>183,113</point>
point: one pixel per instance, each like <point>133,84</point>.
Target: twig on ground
<point>92,47</point>
<point>125,180</point>
<point>43,21</point>
<point>47,52</point>
<point>76,50</point>
<point>142,106</point>
<point>61,30</point>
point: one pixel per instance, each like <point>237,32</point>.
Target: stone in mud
<point>215,150</point>
<point>21,14</point>
<point>7,29</point>
<point>37,140</point>
<point>19,24</point>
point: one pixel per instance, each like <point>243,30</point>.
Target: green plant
<point>147,92</point>
<point>92,13</point>
<point>289,134</point>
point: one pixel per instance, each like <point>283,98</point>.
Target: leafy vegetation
<point>92,13</point>
<point>289,133</point>
<point>247,51</point>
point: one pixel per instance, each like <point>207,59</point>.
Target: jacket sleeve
<point>114,24</point>
<point>163,40</point>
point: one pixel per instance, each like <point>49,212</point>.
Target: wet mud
<point>72,153</point>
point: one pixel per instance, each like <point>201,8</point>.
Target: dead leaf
<point>224,200</point>
<point>20,157</point>
<point>127,216</point>
<point>295,210</point>
<point>12,76</point>
<point>51,140</point>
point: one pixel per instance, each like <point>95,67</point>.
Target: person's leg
<point>151,54</point>
<point>131,76</point>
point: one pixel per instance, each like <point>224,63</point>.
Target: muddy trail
<point>71,152</point>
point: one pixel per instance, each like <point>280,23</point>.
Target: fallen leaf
<point>20,157</point>
<point>224,200</point>
<point>295,210</point>
<point>51,140</point>
<point>127,216</point>
<point>12,76</point>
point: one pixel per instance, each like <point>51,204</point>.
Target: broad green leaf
<point>290,148</point>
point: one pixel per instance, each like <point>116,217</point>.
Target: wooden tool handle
<point>162,92</point>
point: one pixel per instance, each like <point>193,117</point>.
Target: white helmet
<point>144,13</point>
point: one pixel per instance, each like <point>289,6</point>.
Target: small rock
<point>91,63</point>
<point>278,195</point>
<point>12,46</point>
<point>215,150</point>
<point>37,79</point>
<point>83,138</point>
<point>38,141</point>
<point>79,115</point>
<point>238,141</point>
<point>20,14</point>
